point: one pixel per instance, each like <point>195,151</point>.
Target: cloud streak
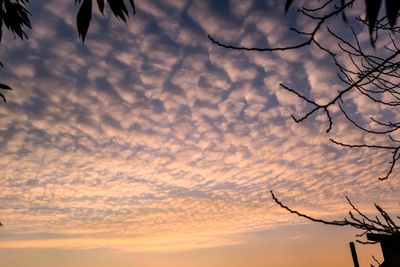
<point>164,244</point>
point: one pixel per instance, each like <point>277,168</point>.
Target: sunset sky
<point>149,146</point>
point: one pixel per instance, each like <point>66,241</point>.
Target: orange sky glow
<point>149,146</point>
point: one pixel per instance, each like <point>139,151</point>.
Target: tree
<point>14,15</point>
<point>382,72</point>
<point>382,224</point>
<point>374,75</point>
<point>379,70</point>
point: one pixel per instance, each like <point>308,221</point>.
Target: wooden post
<point>354,254</point>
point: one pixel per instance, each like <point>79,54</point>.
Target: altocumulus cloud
<point>148,130</point>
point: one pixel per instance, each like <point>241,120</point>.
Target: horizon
<point>148,145</point>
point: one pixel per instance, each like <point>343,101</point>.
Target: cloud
<point>154,244</point>
<point>148,129</point>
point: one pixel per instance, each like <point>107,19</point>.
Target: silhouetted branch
<point>337,223</point>
<point>310,35</point>
<point>375,76</point>
<point>376,261</point>
<point>357,219</point>
<point>394,150</point>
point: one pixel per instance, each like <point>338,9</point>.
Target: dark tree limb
<point>381,224</point>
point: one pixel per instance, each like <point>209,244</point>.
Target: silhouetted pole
<point>354,254</point>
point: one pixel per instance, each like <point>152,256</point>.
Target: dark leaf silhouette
<point>4,86</point>
<point>100,3</point>
<point>376,77</point>
<point>1,27</point>
<point>133,6</point>
<point>118,9</point>
<point>342,3</point>
<point>287,5</point>
<point>372,11</point>
<point>392,10</point>
<point>372,8</point>
<point>83,18</point>
<point>15,16</point>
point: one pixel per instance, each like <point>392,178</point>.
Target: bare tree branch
<point>357,219</point>
<point>375,76</point>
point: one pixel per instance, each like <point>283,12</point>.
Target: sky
<point>148,145</point>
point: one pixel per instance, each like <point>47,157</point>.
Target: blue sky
<point>149,138</point>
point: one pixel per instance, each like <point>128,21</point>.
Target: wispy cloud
<point>149,244</point>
